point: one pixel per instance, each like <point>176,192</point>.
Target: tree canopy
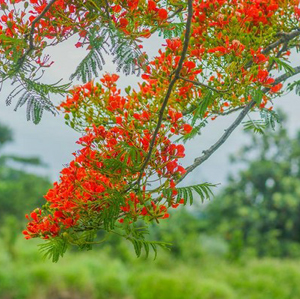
<point>219,56</point>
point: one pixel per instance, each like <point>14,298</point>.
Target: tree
<point>20,190</point>
<point>220,56</point>
<point>260,209</point>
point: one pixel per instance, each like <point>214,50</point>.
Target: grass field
<point>98,274</point>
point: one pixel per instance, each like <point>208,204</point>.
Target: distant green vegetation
<point>20,190</point>
<point>102,274</point>
<point>259,210</point>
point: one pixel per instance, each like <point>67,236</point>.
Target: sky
<point>55,142</point>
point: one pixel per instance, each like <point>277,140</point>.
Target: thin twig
<point>203,85</point>
<point>206,154</point>
<point>31,33</point>
<point>107,11</point>
<point>285,38</point>
<point>229,111</point>
<point>175,13</point>
<point>169,91</point>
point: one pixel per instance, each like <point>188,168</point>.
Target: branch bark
<point>169,91</point>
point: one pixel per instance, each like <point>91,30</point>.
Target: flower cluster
<point>104,173</point>
<point>113,177</point>
<point>63,19</point>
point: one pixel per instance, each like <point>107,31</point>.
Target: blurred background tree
<point>20,190</point>
<point>259,210</point>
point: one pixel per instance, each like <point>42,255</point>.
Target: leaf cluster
<point>188,193</point>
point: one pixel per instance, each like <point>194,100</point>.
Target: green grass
<point>100,274</point>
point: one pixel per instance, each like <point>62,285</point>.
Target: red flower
<point>162,13</point>
<point>276,87</point>
<point>151,5</point>
<point>117,8</point>
<point>187,128</point>
<point>123,22</point>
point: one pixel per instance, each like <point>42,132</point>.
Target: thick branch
<point>287,76</point>
<point>169,91</point>
<point>206,154</point>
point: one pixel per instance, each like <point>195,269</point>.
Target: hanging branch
<point>169,91</point>
<point>207,153</point>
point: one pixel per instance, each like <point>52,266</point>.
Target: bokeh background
<point>243,244</point>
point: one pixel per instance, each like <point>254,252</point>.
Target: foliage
<point>218,57</point>
<point>5,135</point>
<point>259,209</point>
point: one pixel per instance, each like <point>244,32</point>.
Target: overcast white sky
<point>54,142</point>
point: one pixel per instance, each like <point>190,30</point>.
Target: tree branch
<point>206,154</point>
<point>31,33</point>
<point>180,9</point>
<point>229,111</point>
<point>171,85</point>
<point>107,11</point>
<point>285,38</point>
<point>203,85</point>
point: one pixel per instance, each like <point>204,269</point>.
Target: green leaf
<point>295,85</point>
<point>203,105</point>
<point>195,131</point>
<point>282,65</point>
<point>270,117</point>
<point>136,235</point>
<point>203,190</point>
<point>45,89</point>
<point>54,248</point>
<point>257,126</point>
<point>172,30</point>
<point>257,95</point>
